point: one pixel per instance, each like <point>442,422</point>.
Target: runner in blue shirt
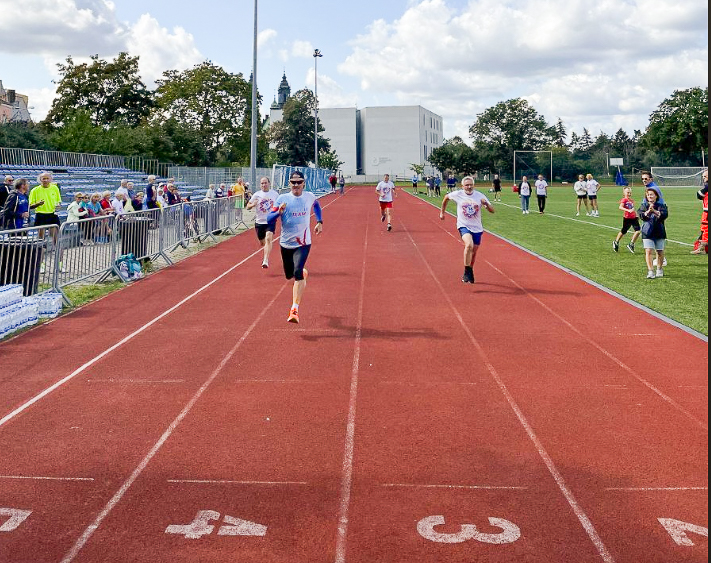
<point>295,211</point>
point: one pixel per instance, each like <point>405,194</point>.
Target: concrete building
<point>378,140</point>
<point>14,107</point>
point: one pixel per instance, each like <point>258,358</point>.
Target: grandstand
<point>89,179</point>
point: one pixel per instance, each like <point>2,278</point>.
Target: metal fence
<point>51,258</point>
<point>205,176</point>
<point>32,157</point>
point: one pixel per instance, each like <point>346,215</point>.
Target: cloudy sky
<point>602,65</point>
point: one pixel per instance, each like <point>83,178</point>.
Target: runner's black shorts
<point>262,230</point>
<point>628,224</point>
<point>44,219</point>
<point>294,260</point>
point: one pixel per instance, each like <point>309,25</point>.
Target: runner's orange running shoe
<point>293,316</point>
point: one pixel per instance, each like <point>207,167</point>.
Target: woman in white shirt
<point>524,190</point>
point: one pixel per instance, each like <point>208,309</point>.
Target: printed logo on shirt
<point>470,209</point>
<point>265,205</point>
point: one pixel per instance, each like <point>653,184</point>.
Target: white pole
<point>253,154</point>
<point>317,54</point>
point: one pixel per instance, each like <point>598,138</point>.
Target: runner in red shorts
<point>386,193</point>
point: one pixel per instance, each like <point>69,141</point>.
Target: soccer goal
<point>533,163</point>
<point>681,176</point>
<point>316,180</point>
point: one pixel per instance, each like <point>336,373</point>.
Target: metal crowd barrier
<point>52,258</point>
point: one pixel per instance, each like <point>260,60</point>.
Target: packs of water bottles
<point>17,312</point>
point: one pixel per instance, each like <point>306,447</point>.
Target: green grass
<point>585,246</point>
<point>80,295</point>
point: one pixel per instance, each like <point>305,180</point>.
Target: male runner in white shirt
<point>386,191</point>
<point>263,201</point>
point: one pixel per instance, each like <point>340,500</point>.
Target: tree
<point>293,136</point>
<point>24,136</point>
<point>679,127</point>
<point>508,126</point>
<point>329,160</point>
<point>561,133</point>
<point>108,92</point>
<point>418,169</point>
<point>208,100</point>
<point>456,156</point>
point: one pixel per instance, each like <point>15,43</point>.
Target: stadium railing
<point>49,259</point>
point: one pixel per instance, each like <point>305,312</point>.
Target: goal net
<point>316,180</point>
<point>533,163</point>
<point>681,176</point>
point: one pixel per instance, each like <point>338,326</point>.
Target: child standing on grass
<point>630,221</point>
<point>654,213</point>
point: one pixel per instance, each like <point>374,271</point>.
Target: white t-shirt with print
<point>592,186</point>
<point>264,202</point>
<point>525,188</point>
<point>386,190</point>
<point>469,209</point>
<point>541,187</point>
<point>296,219</point>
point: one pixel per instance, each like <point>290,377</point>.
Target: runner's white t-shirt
<point>296,219</point>
<point>581,187</point>
<point>264,203</point>
<point>469,209</point>
<point>525,188</point>
<point>592,187</point>
<point>541,187</point>
<point>386,190</point>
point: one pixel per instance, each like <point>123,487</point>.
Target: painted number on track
<point>510,533</point>
<point>16,517</point>
<point>201,526</point>
<point>678,530</point>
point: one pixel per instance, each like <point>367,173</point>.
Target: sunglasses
<point>296,182</point>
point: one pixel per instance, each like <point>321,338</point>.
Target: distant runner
<point>263,201</point>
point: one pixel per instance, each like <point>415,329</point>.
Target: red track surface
<point>402,396</point>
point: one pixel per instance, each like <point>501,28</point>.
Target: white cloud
<point>159,50</point>
<point>607,63</point>
<point>302,49</point>
<point>330,92</point>
<point>265,37</point>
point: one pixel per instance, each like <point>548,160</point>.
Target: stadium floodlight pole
<point>253,153</point>
<point>317,55</point>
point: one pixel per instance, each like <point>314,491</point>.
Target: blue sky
<point>604,65</point>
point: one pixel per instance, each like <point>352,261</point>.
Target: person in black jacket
<point>5,190</point>
<point>654,234</point>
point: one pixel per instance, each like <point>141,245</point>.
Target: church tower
<point>284,92</point>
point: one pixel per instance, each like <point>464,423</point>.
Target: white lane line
<point>463,487</point>
<point>585,222</point>
<point>227,482</point>
<point>275,381</point>
<point>425,383</point>
<point>81,542</point>
<point>137,381</point>
<point>606,353</point>
<point>655,489</point>
<point>31,478</point>
<point>547,460</point>
<point>347,478</point>
<point>7,418</point>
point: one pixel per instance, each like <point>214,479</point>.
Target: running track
<point>409,418</point>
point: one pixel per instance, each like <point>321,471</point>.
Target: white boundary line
<point>29,478</point>
<point>227,482</point>
<point>583,222</point>
<point>7,418</point>
<point>655,489</point>
<point>81,542</point>
<point>462,487</point>
<point>547,460</point>
<point>347,479</point>
<point>607,290</point>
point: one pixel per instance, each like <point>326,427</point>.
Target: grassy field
<point>584,245</point>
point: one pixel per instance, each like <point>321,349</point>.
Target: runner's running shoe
<point>293,316</point>
<point>615,246</point>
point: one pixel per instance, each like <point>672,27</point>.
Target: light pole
<point>253,152</point>
<point>317,55</point>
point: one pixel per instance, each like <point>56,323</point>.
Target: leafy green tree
<point>508,126</point>
<point>561,133</point>
<point>213,103</point>
<point>418,169</point>
<point>78,133</point>
<point>679,127</point>
<point>24,136</point>
<point>110,92</point>
<point>293,136</point>
<point>329,160</point>
<point>454,155</point>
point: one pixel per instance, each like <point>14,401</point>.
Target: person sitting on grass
<point>654,234</point>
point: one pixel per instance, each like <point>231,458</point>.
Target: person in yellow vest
<point>238,191</point>
<point>48,200</point>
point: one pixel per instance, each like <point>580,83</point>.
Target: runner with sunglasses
<point>294,209</point>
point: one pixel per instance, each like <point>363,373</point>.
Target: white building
<point>378,140</point>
